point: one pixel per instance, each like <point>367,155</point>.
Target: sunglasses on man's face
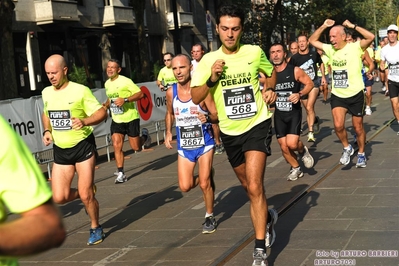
<point>167,60</point>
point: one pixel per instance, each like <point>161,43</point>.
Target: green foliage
<point>155,70</point>
<point>78,74</point>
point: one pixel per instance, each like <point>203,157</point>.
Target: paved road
<point>148,221</point>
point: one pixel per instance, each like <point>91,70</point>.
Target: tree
<point>8,85</point>
<point>143,63</point>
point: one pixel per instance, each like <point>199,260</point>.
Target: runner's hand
<point>168,140</point>
<point>329,22</point>
<point>269,96</point>
<point>47,138</point>
<point>217,70</point>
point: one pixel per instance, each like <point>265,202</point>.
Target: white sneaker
<point>346,155</point>
<point>368,110</point>
<point>384,88</point>
<point>121,178</point>
<point>307,159</point>
<point>295,173</point>
<point>146,134</point>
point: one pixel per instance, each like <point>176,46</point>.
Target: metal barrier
<point>158,128</point>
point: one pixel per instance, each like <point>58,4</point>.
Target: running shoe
<point>260,257</point>
<point>316,125</point>
<point>361,161</point>
<point>311,137</point>
<point>270,233</point>
<point>383,88</point>
<point>307,159</point>
<point>96,236</point>
<point>209,226</point>
<point>295,173</point>
<point>346,155</point>
<point>368,110</point>
<point>121,178</point>
<point>147,137</point>
<point>218,149</point>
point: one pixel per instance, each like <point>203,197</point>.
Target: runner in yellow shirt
<point>24,191</point>
<point>70,111</point>
<point>230,75</point>
<point>166,78</point>
<point>122,94</point>
<point>347,94</point>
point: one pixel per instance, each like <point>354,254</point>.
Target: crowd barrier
<point>24,116</point>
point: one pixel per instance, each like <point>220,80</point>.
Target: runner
<point>347,95</point>
<point>195,143</point>
<point>122,94</point>
<point>308,61</point>
<point>70,111</point>
<point>288,113</point>
<point>165,77</point>
<point>230,75</point>
<point>390,56</point>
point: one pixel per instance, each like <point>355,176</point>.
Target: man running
<point>308,61</point>
<point>197,52</point>
<point>230,75</point>
<point>70,111</point>
<point>347,95</point>
<point>390,56</point>
<point>165,77</point>
<point>195,141</point>
<point>288,113</point>
<point>122,94</point>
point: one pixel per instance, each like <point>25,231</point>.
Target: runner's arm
<point>169,119</point>
<point>314,38</point>
<point>303,78</point>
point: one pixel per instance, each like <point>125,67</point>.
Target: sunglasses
<point>167,60</point>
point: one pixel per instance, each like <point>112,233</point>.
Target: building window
<point>154,6</point>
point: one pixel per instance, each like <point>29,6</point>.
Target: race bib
<point>60,120</point>
<point>191,137</point>
<point>340,78</point>
<point>394,69</point>
<point>310,72</point>
<point>283,103</point>
<point>116,110</point>
<point>240,102</point>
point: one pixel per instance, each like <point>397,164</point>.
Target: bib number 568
<point>241,109</point>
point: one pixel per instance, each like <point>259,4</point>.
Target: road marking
<point>275,162</point>
<point>113,257</point>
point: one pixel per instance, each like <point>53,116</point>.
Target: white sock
<point>208,215</point>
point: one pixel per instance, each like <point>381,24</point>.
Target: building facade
<point>89,32</point>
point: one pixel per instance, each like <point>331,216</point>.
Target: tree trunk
<point>8,84</point>
<point>139,8</point>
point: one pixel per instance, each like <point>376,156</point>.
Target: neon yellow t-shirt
<point>371,54</point>
<point>22,184</point>
<point>237,95</point>
<point>377,54</point>
<point>166,76</point>
<point>122,87</point>
<point>60,106</point>
<point>346,65</point>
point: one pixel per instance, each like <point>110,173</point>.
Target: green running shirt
<point>166,76</point>
<point>122,87</point>
<point>60,106</point>
<point>22,184</point>
<point>346,65</point>
<point>237,95</point>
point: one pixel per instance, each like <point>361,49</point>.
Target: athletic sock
<point>260,243</point>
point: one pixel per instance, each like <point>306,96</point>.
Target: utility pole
<point>375,26</point>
